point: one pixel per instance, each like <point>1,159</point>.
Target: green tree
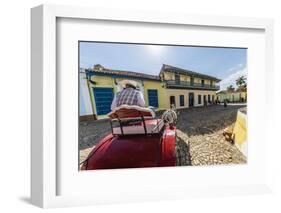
<point>230,88</point>
<point>241,82</point>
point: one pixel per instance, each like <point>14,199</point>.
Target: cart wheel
<point>182,153</point>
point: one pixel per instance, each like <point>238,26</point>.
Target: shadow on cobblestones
<point>90,133</point>
<point>203,128</point>
<point>200,140</point>
<point>192,121</point>
<point>200,121</point>
<point>182,153</point>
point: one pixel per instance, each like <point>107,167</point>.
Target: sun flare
<point>155,49</point>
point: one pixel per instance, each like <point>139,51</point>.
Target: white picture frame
<point>44,154</point>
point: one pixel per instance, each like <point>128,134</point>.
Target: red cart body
<point>154,146</point>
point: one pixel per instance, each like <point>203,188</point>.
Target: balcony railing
<point>188,84</point>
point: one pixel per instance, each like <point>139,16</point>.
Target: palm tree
<point>230,88</point>
<point>241,82</point>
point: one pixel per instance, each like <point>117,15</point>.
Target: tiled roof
<point>101,69</point>
<point>170,68</point>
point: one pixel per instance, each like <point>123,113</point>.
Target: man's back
<point>128,96</point>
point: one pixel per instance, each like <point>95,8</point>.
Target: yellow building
<point>173,86</point>
<point>187,88</point>
<point>232,96</point>
<point>239,134</point>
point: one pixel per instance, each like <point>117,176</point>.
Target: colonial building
<point>185,88</point>
<point>173,86</point>
<point>232,96</point>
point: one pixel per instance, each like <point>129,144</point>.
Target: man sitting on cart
<point>129,95</point>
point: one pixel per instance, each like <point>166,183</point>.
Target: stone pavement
<point>90,133</point>
<point>203,128</point>
<point>212,149</point>
<point>200,139</point>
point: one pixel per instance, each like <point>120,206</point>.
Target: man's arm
<point>141,101</point>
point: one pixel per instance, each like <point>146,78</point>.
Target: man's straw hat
<point>130,82</point>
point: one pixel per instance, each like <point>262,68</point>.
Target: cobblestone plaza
<point>200,128</point>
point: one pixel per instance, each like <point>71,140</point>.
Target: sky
<point>224,63</point>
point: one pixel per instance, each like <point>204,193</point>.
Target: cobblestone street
<point>200,128</point>
<point>90,133</point>
<point>204,129</point>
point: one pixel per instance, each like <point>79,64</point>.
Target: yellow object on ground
<point>239,134</point>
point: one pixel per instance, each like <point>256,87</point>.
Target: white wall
<point>185,92</point>
<point>15,103</point>
<point>85,99</point>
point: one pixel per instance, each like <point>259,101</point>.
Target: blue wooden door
<point>181,100</point>
<point>152,97</point>
<point>103,100</point>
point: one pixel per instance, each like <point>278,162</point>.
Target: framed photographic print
<point>131,106</point>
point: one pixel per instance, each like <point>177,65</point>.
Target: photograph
<point>161,105</point>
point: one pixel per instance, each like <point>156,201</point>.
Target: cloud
<point>231,79</point>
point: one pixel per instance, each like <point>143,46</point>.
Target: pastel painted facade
<point>109,82</point>
<point>161,93</point>
<point>232,96</point>
<point>182,97</point>
<point>173,86</point>
<point>188,88</point>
